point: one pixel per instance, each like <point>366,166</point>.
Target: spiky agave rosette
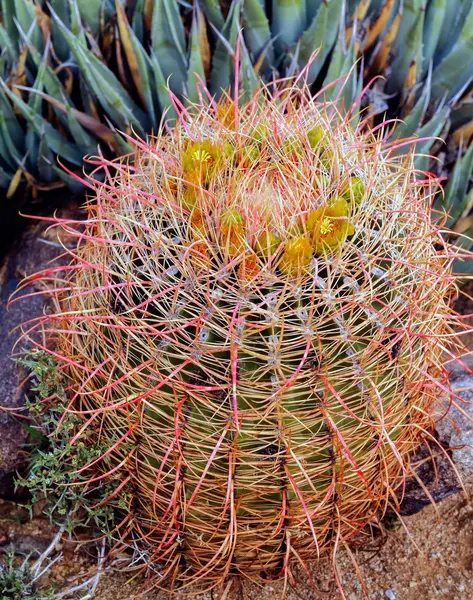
<point>255,319</point>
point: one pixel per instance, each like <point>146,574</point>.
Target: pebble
<point>390,594</point>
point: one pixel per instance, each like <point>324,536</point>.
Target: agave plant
<point>254,324</point>
<point>74,73</point>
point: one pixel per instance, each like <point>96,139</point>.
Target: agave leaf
<point>357,10</point>
<point>223,59</point>
<point>383,50</point>
<point>168,43</point>
<point>321,36</point>
<point>32,141</point>
<point>15,182</point>
<point>84,120</point>
<point>288,23</point>
<point>456,69</point>
<point>198,49</point>
<point>137,22</point>
<point>137,61</point>
<point>412,122</point>
<point>213,12</point>
<point>90,14</point>
<point>431,129</point>
<point>57,142</point>
<point>26,22</point>
<point>84,141</point>
<point>8,15</point>
<point>14,128</point>
<point>105,86</point>
<point>341,61</point>
<point>52,83</point>
<point>454,18</point>
<point>385,15</point>
<point>463,113</point>
<point>61,8</point>
<point>455,193</point>
<point>76,27</point>
<point>223,67</point>
<point>161,89</point>
<point>312,6</point>
<point>6,44</point>
<point>407,48</point>
<point>247,76</point>
<point>45,160</point>
<point>256,31</point>
<point>434,19</point>
<point>75,186</point>
<point>61,103</point>
<point>9,152</point>
<point>465,221</point>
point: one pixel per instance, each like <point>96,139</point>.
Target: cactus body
<point>259,333</point>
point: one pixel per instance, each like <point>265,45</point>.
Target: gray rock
<point>456,429</point>
<point>34,249</point>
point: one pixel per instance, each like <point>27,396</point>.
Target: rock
<point>31,252</point>
<point>437,476</point>
<point>456,429</point>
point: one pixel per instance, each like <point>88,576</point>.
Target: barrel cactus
<point>254,323</point>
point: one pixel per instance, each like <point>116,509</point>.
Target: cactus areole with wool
<point>255,319</point>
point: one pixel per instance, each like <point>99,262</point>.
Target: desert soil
<point>429,556</point>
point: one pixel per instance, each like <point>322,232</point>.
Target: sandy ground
<point>429,556</point>
<point>433,560</point>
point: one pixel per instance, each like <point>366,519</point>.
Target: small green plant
<point>19,583</point>
<point>59,464</point>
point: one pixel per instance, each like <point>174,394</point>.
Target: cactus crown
<point>259,309</point>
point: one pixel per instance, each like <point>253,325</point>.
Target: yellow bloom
<point>203,158</point>
<point>232,231</point>
<point>329,226</point>
<point>296,256</point>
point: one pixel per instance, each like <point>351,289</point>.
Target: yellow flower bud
<point>232,231</point>
<point>267,244</point>
<point>354,189</point>
<point>315,135</point>
<point>296,256</point>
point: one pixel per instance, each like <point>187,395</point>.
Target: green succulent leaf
<point>104,85</point>
<point>320,36</point>
<point>288,22</point>
<point>341,65</point>
<point>434,21</point>
<point>456,69</point>
<point>408,45</point>
<point>138,62</point>
<point>57,142</point>
<point>256,31</point>
<point>455,195</point>
<point>213,13</point>
<point>222,64</point>
<point>168,43</point>
<point>196,68</point>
